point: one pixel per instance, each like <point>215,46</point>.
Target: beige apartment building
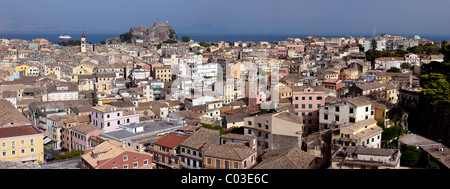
<point>270,128</point>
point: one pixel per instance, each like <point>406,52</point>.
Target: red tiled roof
<point>18,131</point>
<point>171,140</point>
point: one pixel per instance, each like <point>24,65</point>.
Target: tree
<point>435,87</point>
<point>125,37</point>
<point>395,114</point>
<point>185,39</point>
<point>432,165</point>
<point>361,48</point>
<point>203,44</point>
<point>102,42</point>
<point>217,127</point>
<point>410,156</point>
<point>170,41</point>
<point>405,65</point>
<point>394,69</point>
<point>445,50</point>
<point>371,54</point>
<point>373,44</point>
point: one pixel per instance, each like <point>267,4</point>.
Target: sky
<point>230,16</point>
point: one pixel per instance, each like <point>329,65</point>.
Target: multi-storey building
<point>307,101</point>
<point>267,128</point>
<point>229,156</point>
<point>108,117</point>
<point>194,147</point>
<point>163,73</point>
<point>21,143</point>
<point>365,133</point>
<point>166,151</point>
<point>365,158</point>
<point>115,155</point>
<point>349,110</point>
<point>61,92</point>
<point>80,136</point>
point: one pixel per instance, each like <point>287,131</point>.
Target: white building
<point>205,74</point>
<point>381,44</point>
<point>350,110</point>
<point>33,71</point>
<point>413,59</point>
<point>62,92</point>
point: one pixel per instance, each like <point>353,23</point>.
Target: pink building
<point>260,98</point>
<point>81,134</point>
<point>107,117</point>
<point>307,100</point>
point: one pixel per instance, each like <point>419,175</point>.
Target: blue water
<point>97,37</point>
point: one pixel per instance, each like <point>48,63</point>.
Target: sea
<point>97,37</point>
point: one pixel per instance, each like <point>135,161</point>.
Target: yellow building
<point>284,91</point>
<point>22,67</point>
<point>163,73</point>
<point>391,94</point>
<point>83,69</point>
<point>21,143</point>
<point>229,156</point>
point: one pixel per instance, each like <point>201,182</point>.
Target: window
<point>125,158</point>
<point>217,163</point>
<point>249,131</point>
<point>249,123</point>
<point>13,143</point>
<point>296,106</point>
<point>227,164</point>
<point>135,164</point>
<point>303,98</point>
<point>337,109</point>
<point>13,152</point>
<point>259,125</point>
<point>23,150</point>
<point>309,105</point>
<point>22,142</point>
<point>267,126</point>
<point>318,105</point>
<point>3,144</point>
<point>367,109</point>
<point>145,162</point>
<point>4,153</point>
<point>303,106</point>
<point>235,165</point>
<point>125,167</point>
<point>337,118</point>
<point>182,150</point>
<point>319,98</point>
<point>208,161</point>
<point>310,98</point>
<point>351,110</point>
<point>107,115</point>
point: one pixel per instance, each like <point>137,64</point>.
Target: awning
<point>47,140</point>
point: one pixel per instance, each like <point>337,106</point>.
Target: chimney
<point>123,144</point>
<point>141,148</point>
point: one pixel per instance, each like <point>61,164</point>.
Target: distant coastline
<point>97,37</point>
